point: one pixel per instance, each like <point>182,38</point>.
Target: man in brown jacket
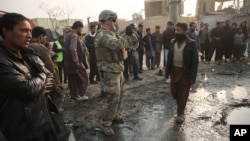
<point>73,62</point>
<point>37,43</point>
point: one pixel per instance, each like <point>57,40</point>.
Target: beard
<point>180,37</point>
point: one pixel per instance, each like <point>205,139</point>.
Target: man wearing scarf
<point>89,39</point>
<point>182,66</point>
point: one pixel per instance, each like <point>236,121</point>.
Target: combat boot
<point>107,130</point>
<point>118,119</point>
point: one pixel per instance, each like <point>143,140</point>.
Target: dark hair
<point>140,25</point>
<point>92,26</point>
<point>239,28</point>
<point>182,26</point>
<point>129,30</point>
<point>61,37</point>
<point>132,25</point>
<point>77,24</point>
<point>157,27</point>
<point>37,31</point>
<point>234,24</point>
<point>218,22</point>
<point>147,29</point>
<point>170,23</point>
<point>9,20</point>
<point>47,44</point>
<point>191,24</point>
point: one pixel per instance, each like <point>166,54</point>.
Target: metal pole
<point>88,22</point>
<point>174,10</point>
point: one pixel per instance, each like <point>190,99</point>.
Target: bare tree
<point>53,13</point>
<point>69,12</point>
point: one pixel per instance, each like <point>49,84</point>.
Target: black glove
<point>128,30</point>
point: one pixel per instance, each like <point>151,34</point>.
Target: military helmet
<point>107,14</point>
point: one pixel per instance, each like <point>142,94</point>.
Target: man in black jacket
<point>149,42</point>
<point>182,66</point>
<point>24,85</point>
<point>227,41</point>
<point>89,39</point>
<point>216,37</point>
<point>167,37</point>
<point>141,46</point>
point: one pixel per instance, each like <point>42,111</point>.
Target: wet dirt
<point>150,110</point>
<point>239,116</point>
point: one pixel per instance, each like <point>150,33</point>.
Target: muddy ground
<point>149,109</point>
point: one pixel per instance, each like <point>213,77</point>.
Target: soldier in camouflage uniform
<point>110,52</point>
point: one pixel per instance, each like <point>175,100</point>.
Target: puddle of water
<point>239,116</point>
<point>71,135</point>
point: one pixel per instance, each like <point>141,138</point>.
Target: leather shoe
<point>118,119</point>
<point>138,78</point>
<point>93,82</point>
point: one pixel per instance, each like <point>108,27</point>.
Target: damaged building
<point>157,12</point>
<point>211,11</point>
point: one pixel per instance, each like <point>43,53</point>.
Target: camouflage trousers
<point>113,86</point>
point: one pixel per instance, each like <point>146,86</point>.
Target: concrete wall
<point>155,8</point>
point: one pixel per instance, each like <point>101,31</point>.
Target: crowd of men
<point>229,42</point>
<point>32,71</point>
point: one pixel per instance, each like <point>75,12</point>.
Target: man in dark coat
<point>141,46</point>
<point>167,37</point>
<point>227,41</point>
<point>149,42</point>
<point>89,39</point>
<point>216,37</point>
<point>24,85</point>
<point>182,66</point>
<point>158,45</point>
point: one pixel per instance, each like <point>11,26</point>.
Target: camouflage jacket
<point>107,45</point>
